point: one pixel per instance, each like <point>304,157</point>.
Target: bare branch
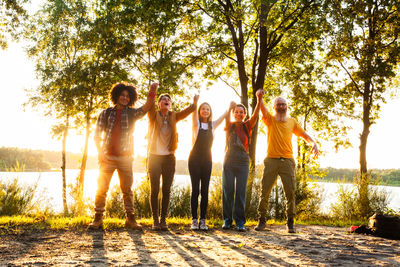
<point>351,77</point>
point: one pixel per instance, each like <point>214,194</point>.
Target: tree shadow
<point>26,242</point>
<point>316,248</point>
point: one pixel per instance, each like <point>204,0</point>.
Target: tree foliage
<point>12,13</point>
<point>364,43</point>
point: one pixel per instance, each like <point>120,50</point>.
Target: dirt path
<point>312,246</point>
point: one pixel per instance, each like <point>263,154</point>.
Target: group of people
<point>114,142</point>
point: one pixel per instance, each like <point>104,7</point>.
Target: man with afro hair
<point>114,142</point>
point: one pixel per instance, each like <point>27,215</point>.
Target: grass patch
<point>82,222</point>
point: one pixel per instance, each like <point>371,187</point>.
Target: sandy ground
<point>310,246</point>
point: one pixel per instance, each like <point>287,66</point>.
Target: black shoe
<point>261,225</point>
<point>290,227</point>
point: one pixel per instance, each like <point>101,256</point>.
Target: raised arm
<point>195,115</point>
<point>254,116</point>
<point>232,106</point>
<point>186,112</point>
<point>218,121</point>
<point>150,97</point>
<point>264,110</point>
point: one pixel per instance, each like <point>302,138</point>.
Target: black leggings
<point>200,173</point>
<point>164,166</point>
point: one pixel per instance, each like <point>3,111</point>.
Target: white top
<point>163,139</point>
<point>204,125</point>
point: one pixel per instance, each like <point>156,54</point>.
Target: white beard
<point>282,117</point>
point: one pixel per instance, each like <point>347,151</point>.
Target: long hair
<point>117,89</point>
<point>198,111</point>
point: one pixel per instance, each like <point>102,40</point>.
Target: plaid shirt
<point>105,125</point>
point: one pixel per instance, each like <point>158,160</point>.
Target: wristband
<point>152,95</point>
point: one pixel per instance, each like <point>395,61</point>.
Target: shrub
<point>115,203</point>
<point>350,206</point>
<point>277,203</point>
<point>215,197</point>
<point>17,199</point>
<point>80,206</point>
<point>141,198</point>
<point>308,198</point>
<point>179,205</point>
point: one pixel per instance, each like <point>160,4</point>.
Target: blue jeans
<point>235,170</point>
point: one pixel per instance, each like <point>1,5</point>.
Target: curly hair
<point>117,89</point>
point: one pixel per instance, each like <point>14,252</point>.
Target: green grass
<point>81,223</point>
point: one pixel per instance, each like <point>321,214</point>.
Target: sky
<point>28,128</point>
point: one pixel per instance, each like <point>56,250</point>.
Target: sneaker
<point>241,228</point>
<point>202,225</point>
<point>226,225</point>
<point>195,225</point>
<point>290,227</point>
<point>261,225</point>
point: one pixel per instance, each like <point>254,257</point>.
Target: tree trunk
<point>84,156</point>
<point>259,84</point>
<point>365,208</point>
<point>63,165</point>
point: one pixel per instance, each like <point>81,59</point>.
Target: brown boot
<point>262,224</point>
<point>97,222</point>
<point>163,224</point>
<point>156,224</point>
<point>290,227</point>
<point>131,222</point>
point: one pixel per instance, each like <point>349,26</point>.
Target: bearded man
<point>279,160</point>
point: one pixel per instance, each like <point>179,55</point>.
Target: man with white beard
<point>279,160</point>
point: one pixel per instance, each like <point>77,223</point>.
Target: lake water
<point>50,186</point>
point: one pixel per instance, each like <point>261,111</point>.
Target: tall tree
<point>54,44</point>
<point>364,43</point>
<point>12,13</point>
<point>100,65</point>
<point>163,41</point>
<point>248,36</point>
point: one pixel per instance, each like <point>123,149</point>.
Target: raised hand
<point>196,99</point>
<point>153,88</point>
<point>232,105</point>
<point>260,93</point>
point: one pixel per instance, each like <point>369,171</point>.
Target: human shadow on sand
<point>177,243</point>
<point>98,253</point>
<point>261,257</point>
<point>143,253</point>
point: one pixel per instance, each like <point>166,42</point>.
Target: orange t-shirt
<point>279,136</point>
